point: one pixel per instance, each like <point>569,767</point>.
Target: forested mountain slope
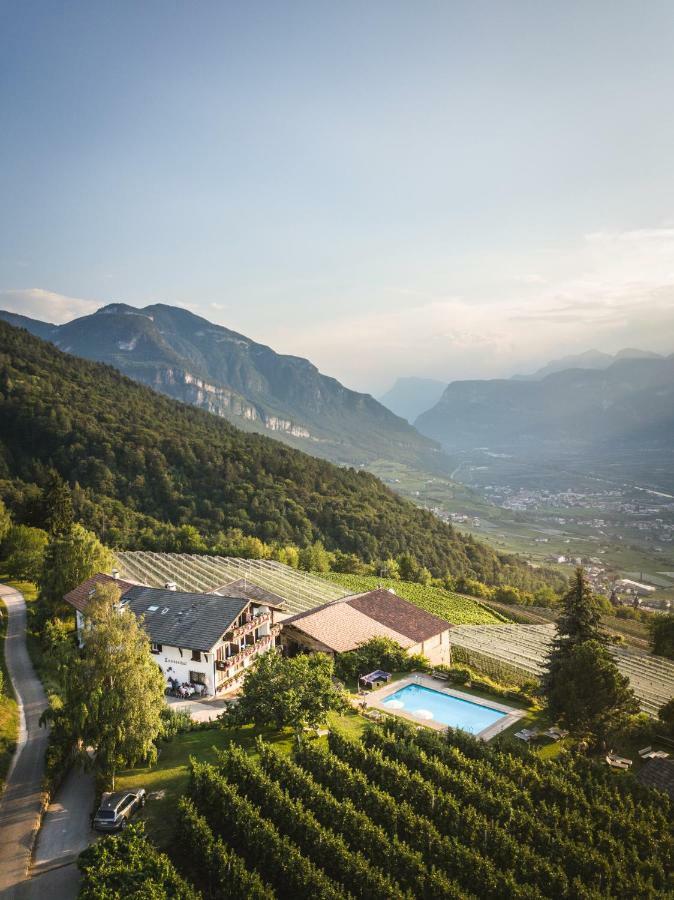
<point>250,385</point>
<point>144,464</point>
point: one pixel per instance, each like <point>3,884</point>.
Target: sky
<point>450,190</point>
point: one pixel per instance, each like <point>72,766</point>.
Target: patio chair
<point>618,762</point>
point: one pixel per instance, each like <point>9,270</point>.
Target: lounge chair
<point>650,753</point>
<point>618,762</point>
<point>526,734</point>
<point>557,734</point>
<point>441,676</point>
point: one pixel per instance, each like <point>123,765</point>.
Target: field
<point>455,608</point>
<point>194,572</point>
<point>167,780</point>
<point>525,647</point>
<point>403,813</point>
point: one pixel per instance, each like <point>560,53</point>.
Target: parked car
<point>116,809</point>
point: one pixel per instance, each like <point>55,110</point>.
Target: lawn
<point>168,778</point>
<point>9,710</point>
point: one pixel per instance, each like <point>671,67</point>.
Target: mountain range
<point>409,397</point>
<point>148,472</point>
<point>630,403</point>
<point>590,359</point>
<point>195,361</point>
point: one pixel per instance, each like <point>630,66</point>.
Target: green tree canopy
<point>114,691</point>
<point>58,505</point>
<point>24,550</point>
<point>70,558</point>
<point>662,635</point>
<point>296,693</point>
<point>589,695</point>
<point>129,866</point>
<point>5,521</point>
<point>580,621</point>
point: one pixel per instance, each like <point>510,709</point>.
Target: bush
<point>377,653</point>
<point>126,865</point>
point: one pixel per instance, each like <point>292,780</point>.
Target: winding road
<point>21,800</point>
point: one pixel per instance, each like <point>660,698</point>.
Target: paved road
<point>20,802</point>
<point>66,827</point>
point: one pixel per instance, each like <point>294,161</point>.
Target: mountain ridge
<point>210,366</point>
<point>630,401</point>
<point>147,471</point>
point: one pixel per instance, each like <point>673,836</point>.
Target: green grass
<point>9,710</point>
<point>169,777</point>
<point>455,608</point>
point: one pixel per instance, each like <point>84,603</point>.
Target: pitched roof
<point>399,614</point>
<point>244,588</point>
<point>192,621</point>
<point>659,774</point>
<point>341,627</point>
<point>79,597</point>
<point>343,624</point>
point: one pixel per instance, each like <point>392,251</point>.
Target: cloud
<point>48,306</point>
<point>610,290</point>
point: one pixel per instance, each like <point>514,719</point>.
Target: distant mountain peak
<point>185,356</point>
<point>589,359</point>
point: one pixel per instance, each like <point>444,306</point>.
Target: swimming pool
<point>428,705</point>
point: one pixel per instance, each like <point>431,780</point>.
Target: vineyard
<point>455,608</point>
<point>524,648</point>
<point>409,813</point>
<point>193,572</point>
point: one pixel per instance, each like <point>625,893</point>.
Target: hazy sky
<point>451,189</point>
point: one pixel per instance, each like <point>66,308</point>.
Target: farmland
<point>455,608</point>
<point>406,813</point>
<point>525,647</point>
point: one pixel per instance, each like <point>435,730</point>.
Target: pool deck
<point>375,700</point>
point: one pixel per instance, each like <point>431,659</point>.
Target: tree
<point>662,635</point>
<point>408,567</point>
<point>58,506</point>
<point>579,622</point>
<point>70,559</point>
<point>315,558</point>
<point>507,594</point>
<point>377,653</point>
<point>666,717</point>
<point>296,693</point>
<point>589,695</point>
<point>114,691</point>
<point>24,550</point>
<point>5,522</point>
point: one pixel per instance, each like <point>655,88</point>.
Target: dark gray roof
<point>192,621</point>
<point>245,588</point>
<point>659,774</point>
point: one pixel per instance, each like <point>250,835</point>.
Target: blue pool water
<point>428,705</point>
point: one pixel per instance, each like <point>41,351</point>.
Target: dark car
<point>116,809</point>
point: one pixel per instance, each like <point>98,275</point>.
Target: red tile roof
<point>343,624</point>
<point>79,597</point>
<point>398,614</point>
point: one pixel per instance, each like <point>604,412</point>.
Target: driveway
<point>199,710</point>
<point>21,801</point>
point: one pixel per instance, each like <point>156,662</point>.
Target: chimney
<point>115,573</point>
<point>171,586</point>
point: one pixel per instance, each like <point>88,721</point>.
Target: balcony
<point>229,667</point>
<point>247,627</point>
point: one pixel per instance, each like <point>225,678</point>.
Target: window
<point>197,678</point>
<point>196,656</point>
<point>155,648</point>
